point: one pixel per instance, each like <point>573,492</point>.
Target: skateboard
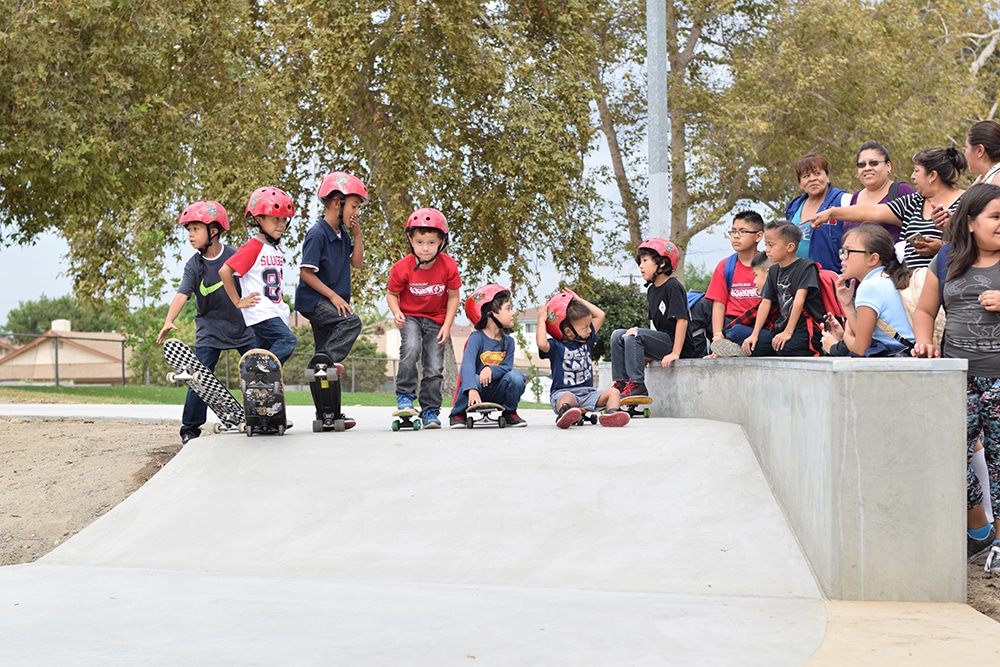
<point>406,418</point>
<point>323,377</point>
<point>632,403</point>
<point>263,393</point>
<point>485,411</point>
<point>204,383</point>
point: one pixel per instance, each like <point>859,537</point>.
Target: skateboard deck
<point>485,411</point>
<point>406,418</point>
<point>263,393</point>
<point>632,404</point>
<point>323,377</point>
<point>203,382</point>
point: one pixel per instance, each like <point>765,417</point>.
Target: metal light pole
<point>658,133</point>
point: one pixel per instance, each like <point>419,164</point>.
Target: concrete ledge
<point>866,456</point>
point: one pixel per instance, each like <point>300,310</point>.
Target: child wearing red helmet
<point>487,372</point>
<point>670,339</point>
<point>423,297</point>
<point>218,325</point>
<point>567,330</point>
<point>259,263</point>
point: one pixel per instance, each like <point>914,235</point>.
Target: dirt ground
<point>58,476</point>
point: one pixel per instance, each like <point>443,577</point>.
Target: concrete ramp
<point>659,543</point>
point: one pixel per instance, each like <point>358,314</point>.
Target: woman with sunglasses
<point>820,244</point>
<point>935,175</point>
<point>875,174</point>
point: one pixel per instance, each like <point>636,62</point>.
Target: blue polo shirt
<point>329,256</point>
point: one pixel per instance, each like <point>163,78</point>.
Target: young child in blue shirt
<point>487,373</point>
<point>571,323</point>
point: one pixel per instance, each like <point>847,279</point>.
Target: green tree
<point>365,366</point>
<point>697,277</point>
<point>35,317</point>
<point>624,307</point>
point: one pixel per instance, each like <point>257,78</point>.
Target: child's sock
<point>980,533</point>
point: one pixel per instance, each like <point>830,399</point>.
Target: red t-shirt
<point>424,292</point>
<point>741,296</point>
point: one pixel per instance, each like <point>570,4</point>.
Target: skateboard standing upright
<point>204,383</point>
<point>263,393</point>
<point>323,377</point>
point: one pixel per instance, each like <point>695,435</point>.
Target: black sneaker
<point>513,420</point>
<point>634,389</point>
<point>979,547</point>
<point>188,437</point>
<point>456,421</point>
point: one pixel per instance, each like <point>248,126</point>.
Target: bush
<point>366,374</point>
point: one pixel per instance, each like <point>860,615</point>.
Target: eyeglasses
<point>846,252</point>
<point>738,233</point>
<point>871,163</point>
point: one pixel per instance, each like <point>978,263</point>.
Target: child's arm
<point>392,298</point>
<point>175,308</point>
<point>763,311</point>
<point>680,334</point>
<point>358,255</point>
<point>798,305</point>
<point>718,319</point>
<point>449,317</point>
<point>595,312</point>
<point>541,336</point>
<point>923,318</point>
<point>310,278</point>
<point>226,275</point>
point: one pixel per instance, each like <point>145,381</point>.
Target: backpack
<point>700,308</point>
<point>828,293</point>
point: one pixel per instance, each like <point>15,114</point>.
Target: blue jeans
<point>333,333</point>
<point>274,335</point>
<point>418,340</point>
<point>629,353</point>
<point>195,410</point>
<point>506,391</point>
<point>738,333</point>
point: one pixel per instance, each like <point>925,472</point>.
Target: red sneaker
<point>616,418</point>
<point>568,417</point>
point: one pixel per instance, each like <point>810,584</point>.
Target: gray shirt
<point>970,331</point>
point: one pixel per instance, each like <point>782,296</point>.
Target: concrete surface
<point>857,453</point>
<point>656,544</point>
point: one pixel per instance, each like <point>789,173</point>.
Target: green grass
<point>142,395</point>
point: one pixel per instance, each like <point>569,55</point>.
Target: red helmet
<point>270,201</point>
<point>663,248</point>
<point>344,183</point>
<point>556,307</point>
<point>205,212</point>
<point>485,294</point>
<point>430,218</point>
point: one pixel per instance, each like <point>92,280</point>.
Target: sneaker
<point>727,348</point>
<point>456,421</point>
<point>404,401</point>
<point>188,437</point>
<point>978,547</point>
<point>288,424</point>
<point>349,422</point>
<point>513,420</point>
<point>634,389</point>
<point>568,416</point>
<point>993,559</point>
<point>430,418</point>
<point>619,385</point>
<point>614,418</point>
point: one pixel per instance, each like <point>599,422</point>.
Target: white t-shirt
<point>260,267</point>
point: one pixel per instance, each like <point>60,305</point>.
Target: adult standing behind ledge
<point>875,174</point>
<point>935,176</point>
<point>820,244</point>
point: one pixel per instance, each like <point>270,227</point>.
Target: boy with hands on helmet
<point>423,297</point>
<point>218,324</point>
<point>487,372</point>
<point>259,263</point>
<point>571,324</point>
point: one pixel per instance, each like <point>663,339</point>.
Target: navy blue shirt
<point>329,256</point>
<point>218,323</point>
<point>571,362</point>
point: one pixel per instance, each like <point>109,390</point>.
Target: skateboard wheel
<point>216,428</point>
<point>501,421</point>
<point>170,378</point>
<point>417,424</point>
<point>395,425</point>
<point>469,422</point>
<point>317,425</point>
<point>338,425</point>
<point>310,375</point>
<point>277,387</point>
<point>645,413</point>
<point>593,419</point>
<point>281,429</point>
<point>249,431</point>
<point>243,384</point>
<point>242,427</point>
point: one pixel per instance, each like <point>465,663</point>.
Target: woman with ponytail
<point>877,322</point>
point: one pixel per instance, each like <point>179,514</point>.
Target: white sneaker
<point>993,559</point>
<point>727,348</point>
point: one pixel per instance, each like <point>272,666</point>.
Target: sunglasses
<point>871,163</point>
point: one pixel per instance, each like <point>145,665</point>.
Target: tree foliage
<point>35,317</point>
<point>624,307</point>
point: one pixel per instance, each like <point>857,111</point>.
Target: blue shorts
<point>586,397</point>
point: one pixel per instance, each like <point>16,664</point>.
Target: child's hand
<point>343,308</point>
<point>749,344</point>
<point>249,301</point>
<point>399,320</point>
<point>833,327</point>
<point>925,350</point>
<point>633,331</point>
<point>443,335</point>
<point>778,342</point>
<point>990,300</point>
<point>486,376</point>
<point>845,291</point>
<point>669,359</point>
<point>474,397</point>
<point>168,326</point>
